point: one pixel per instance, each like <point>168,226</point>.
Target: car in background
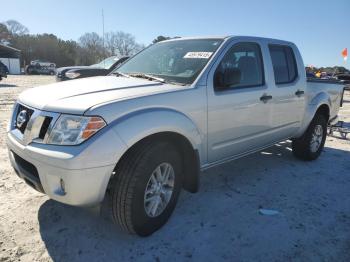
<point>42,63</point>
<point>345,78</point>
<point>310,75</point>
<point>40,70</point>
<point>3,70</point>
<point>101,69</point>
<point>325,75</point>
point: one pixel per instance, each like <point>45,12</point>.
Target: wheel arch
<point>319,104</point>
<point>164,125</point>
<point>140,124</point>
<point>324,110</point>
<point>189,156</point>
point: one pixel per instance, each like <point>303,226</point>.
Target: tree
<point>121,44</point>
<point>160,38</point>
<point>16,28</point>
<point>5,35</point>
<point>91,40</point>
<point>46,47</point>
<point>93,44</point>
<point>110,43</point>
<point>88,50</point>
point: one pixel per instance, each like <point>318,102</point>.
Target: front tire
<point>139,179</point>
<point>310,145</point>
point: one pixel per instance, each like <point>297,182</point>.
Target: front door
<point>239,103</point>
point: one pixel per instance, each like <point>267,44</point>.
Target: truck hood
<point>77,96</point>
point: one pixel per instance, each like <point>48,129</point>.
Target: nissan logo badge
<point>21,118</point>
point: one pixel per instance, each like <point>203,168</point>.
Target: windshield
<point>178,61</point>
<point>107,63</point>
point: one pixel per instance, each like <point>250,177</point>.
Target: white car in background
<point>42,63</point>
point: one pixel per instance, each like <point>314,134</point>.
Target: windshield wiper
<point>120,74</point>
<point>147,76</point>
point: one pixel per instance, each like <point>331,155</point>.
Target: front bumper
<point>61,77</point>
<point>85,170</point>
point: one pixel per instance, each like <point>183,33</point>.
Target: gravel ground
<point>220,223</point>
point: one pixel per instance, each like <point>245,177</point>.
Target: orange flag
<point>344,53</point>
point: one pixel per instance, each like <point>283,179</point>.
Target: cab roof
<point>227,37</point>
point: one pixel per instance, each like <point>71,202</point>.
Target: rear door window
<point>284,64</point>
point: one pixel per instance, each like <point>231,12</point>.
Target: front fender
<point>140,124</point>
<point>311,109</point>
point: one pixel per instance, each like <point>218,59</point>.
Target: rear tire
<point>309,146</point>
<point>132,179</point>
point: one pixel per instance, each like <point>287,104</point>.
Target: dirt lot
<point>220,223</point>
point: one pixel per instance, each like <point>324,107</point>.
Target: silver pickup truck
<point>176,108</point>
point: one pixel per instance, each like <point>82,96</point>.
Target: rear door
<point>239,115</point>
<point>289,91</point>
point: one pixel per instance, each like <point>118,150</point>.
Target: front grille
<point>45,126</point>
<point>29,111</point>
<point>37,124</point>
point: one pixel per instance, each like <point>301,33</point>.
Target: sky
<point>319,28</point>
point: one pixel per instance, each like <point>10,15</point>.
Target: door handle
<point>299,93</point>
<point>265,98</point>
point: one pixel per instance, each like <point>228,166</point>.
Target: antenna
<point>103,34</point>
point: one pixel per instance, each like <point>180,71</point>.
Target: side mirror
<point>226,79</point>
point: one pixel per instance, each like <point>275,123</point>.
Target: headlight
<point>73,130</point>
<point>72,75</point>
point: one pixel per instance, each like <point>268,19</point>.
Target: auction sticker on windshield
<point>204,55</point>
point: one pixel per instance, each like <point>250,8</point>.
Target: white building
<point>11,58</point>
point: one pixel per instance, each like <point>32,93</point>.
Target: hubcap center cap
<point>159,189</point>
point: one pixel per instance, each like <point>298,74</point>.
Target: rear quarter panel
<point>320,93</point>
<point>331,92</point>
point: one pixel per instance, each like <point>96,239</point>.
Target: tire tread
<point>301,145</point>
<point>125,181</point>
